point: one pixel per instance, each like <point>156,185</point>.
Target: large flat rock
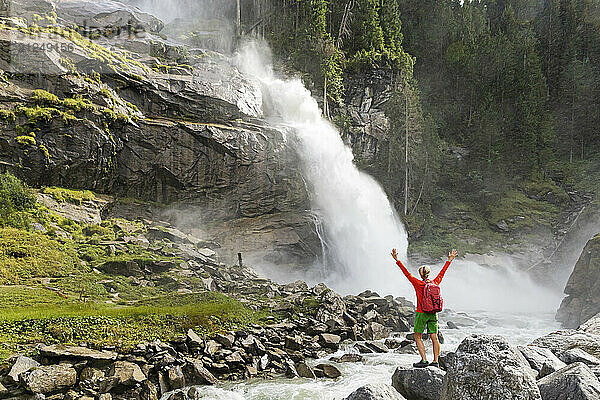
<point>76,352</point>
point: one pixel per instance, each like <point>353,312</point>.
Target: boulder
<point>578,355</point>
<point>196,374</point>
<point>329,340</point>
<point>541,359</point>
<point>225,339</point>
<point>304,371</point>
<point>175,377</point>
<point>76,353</point>
<point>592,325</point>
<point>327,370</point>
<point>561,341</point>
<point>582,301</point>
<point>418,383</point>
<point>50,378</point>
<point>573,382</point>
<point>375,392</point>
<point>488,367</point>
<point>125,373</point>
<point>194,340</point>
<point>377,347</point>
<point>376,331</point>
<point>22,364</point>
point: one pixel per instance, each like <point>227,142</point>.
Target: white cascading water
<point>360,224</point>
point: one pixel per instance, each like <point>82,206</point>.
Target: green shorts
<point>428,320</point>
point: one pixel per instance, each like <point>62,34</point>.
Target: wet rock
<point>77,353</point>
<point>578,355</point>
<point>582,301</point>
<point>304,371</point>
<point>486,366</point>
<point>22,364</point>
<point>50,378</point>
<point>377,347</point>
<point>451,325</point>
<point>541,360</point>
<point>560,341</point>
<point>375,392</point>
<point>349,357</point>
<point>575,381</point>
<point>418,383</point>
<point>327,370</point>
<point>362,348</point>
<point>290,369</point>
<point>410,348</point>
<point>394,343</point>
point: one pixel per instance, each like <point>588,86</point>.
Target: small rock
<point>293,342</point>
<point>541,359</point>
<point>349,357</point>
<point>451,325</point>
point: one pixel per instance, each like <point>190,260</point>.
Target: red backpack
<point>432,298</point>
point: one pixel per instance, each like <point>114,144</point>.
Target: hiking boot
<point>434,364</point>
<point>421,364</point>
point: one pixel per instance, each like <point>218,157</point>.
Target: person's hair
<point>424,270</point>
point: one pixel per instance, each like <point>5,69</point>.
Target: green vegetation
<point>32,316</point>
<point>65,282</point>
<point>25,255</point>
<point>69,195</point>
<point>26,140</point>
<point>16,202</point>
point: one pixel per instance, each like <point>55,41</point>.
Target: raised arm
<point>408,275</point>
<point>451,256</point>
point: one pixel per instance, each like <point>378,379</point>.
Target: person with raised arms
<point>429,303</point>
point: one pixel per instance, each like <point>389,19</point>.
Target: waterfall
<point>359,223</point>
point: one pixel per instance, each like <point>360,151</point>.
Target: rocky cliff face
<point>145,118</point>
<point>583,288</point>
<point>364,122</point>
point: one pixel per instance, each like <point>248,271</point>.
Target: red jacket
<point>419,285</point>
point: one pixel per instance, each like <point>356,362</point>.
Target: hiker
<point>424,319</point>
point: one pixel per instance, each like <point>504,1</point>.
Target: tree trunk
<point>238,16</point>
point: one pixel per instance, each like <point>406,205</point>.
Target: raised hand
<point>452,255</point>
<point>394,254</point>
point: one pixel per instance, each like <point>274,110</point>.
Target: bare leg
<point>436,346</point>
<point>420,345</point>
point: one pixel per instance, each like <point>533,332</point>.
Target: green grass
<point>123,327</point>
<point>25,255</point>
<point>520,211</point>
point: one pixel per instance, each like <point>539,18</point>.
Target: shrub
<point>14,194</point>
<point>44,98</point>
